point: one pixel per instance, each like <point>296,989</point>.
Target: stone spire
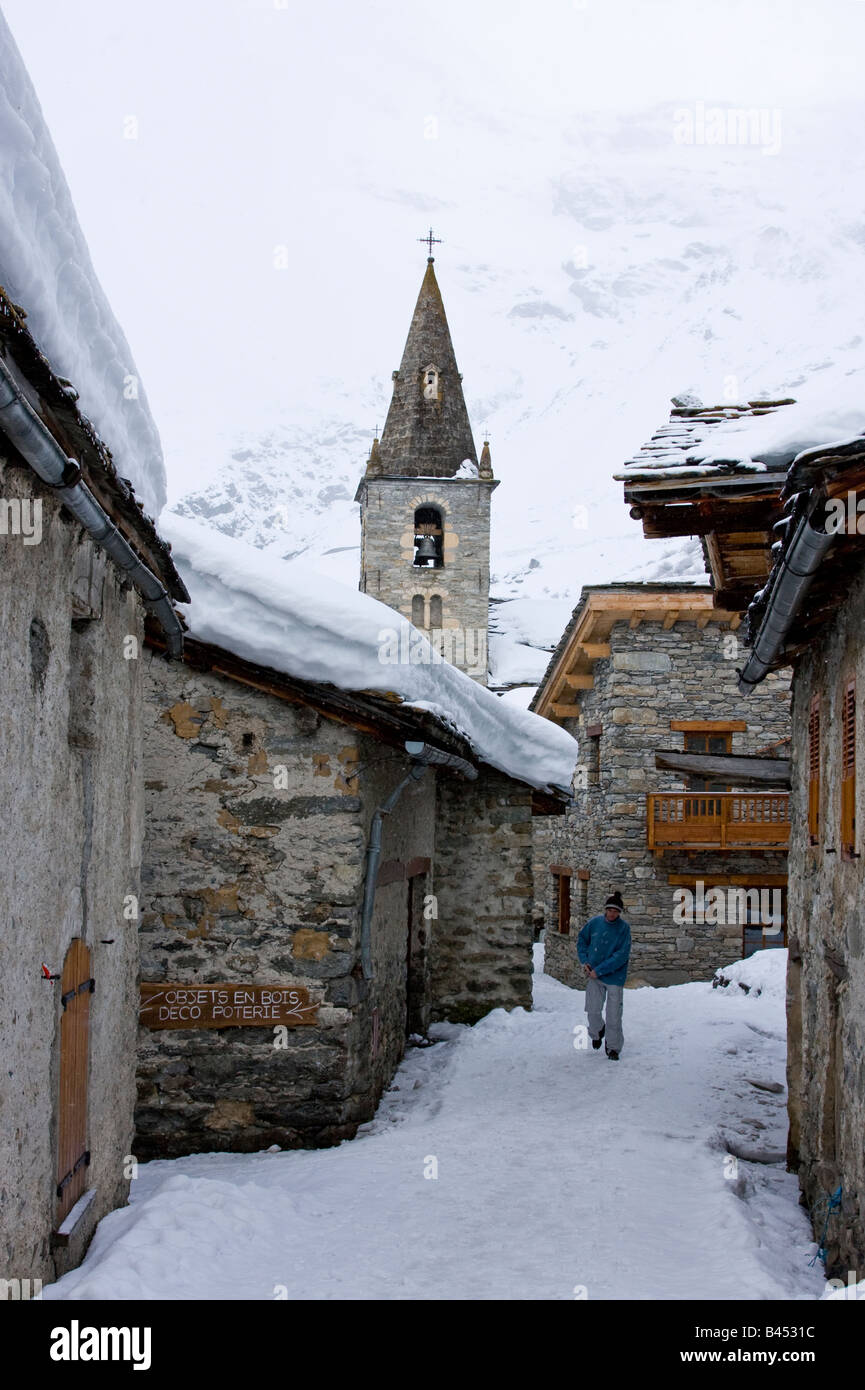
<point>427,431</point>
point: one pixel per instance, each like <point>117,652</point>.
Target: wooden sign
<point>225,1006</point>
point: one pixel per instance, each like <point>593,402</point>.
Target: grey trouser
<point>596,993</point>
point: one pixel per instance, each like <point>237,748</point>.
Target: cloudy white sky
<point>257,236</point>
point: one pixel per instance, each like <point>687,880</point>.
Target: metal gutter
<point>37,445</point>
<point>789,588</point>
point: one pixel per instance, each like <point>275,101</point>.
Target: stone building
<point>811,615</point>
<point>425,498</point>
<point>80,560</point>
<point>678,785</point>
<point>258,877</point>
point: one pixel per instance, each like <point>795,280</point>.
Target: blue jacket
<point>606,947</point>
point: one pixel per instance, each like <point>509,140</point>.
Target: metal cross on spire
<point>430,241</point>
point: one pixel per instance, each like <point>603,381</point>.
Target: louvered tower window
<point>848,770</point>
<point>814,771</point>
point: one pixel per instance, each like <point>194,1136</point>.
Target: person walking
<point>604,949</point>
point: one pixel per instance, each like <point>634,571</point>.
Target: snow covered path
<point>557,1169</point>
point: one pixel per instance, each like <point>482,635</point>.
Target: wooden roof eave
<point>600,613</point>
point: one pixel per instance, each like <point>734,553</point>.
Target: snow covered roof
<point>45,268</point>
<point>277,614</point>
<point>705,440</point>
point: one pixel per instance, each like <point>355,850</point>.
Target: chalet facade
<point>665,809</point>
<point>811,615</point>
<point>81,562</point>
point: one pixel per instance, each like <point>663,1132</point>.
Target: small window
<point>593,755</point>
<point>848,770</point>
<point>583,885</point>
<point>435,610</point>
<point>431,383</point>
<point>428,538</point>
<point>562,883</point>
<point>719,742</point>
<point>814,771</point>
<point>417,610</point>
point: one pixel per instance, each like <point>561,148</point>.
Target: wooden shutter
<point>814,771</point>
<point>73,1156</point>
<point>848,769</point>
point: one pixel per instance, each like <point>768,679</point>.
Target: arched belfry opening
<point>428,538</point>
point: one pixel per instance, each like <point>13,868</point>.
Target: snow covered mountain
<point>630,265</point>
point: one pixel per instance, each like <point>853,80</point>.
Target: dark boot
<point>596,1042</point>
<point>613,1056</point>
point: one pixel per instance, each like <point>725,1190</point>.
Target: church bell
<point>426,553</point>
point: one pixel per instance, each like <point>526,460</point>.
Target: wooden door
<point>73,1156</point>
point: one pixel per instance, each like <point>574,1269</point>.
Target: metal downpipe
<point>798,568</point>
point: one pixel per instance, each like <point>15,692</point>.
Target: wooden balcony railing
<point>718,820</point>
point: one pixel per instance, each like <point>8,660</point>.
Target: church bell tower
<point>425,497</point>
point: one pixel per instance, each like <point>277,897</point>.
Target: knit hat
<point>615,900</point>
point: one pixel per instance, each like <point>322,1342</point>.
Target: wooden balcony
<point>718,820</point>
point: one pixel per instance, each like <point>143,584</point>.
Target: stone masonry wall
<point>387,553</point>
<point>70,838</point>
<point>654,675</point>
<point>482,945</point>
<point>257,819</point>
<point>826,974</point>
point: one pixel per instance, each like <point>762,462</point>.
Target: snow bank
<point>45,267</point>
<point>763,973</point>
<point>277,614</point>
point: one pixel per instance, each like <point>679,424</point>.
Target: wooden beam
<point>565,711</point>
<point>708,726</point>
<point>595,651</point>
<point>703,620</point>
<point>735,621</point>
<point>671,619</point>
<point>636,619</point>
<point>579,681</point>
<point>740,769</point>
<point>735,880</point>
